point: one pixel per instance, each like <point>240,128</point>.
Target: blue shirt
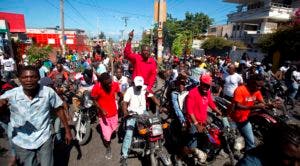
<point>30,119</point>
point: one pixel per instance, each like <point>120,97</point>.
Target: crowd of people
<point>127,84</point>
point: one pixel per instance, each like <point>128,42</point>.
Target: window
<point>250,27</point>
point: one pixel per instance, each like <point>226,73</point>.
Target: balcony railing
<point>262,12</point>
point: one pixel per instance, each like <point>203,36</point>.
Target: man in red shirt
<point>143,64</point>
<point>104,94</point>
<point>244,99</point>
<point>197,102</point>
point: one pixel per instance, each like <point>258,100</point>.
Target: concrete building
<point>76,39</point>
<point>220,30</point>
<point>255,17</point>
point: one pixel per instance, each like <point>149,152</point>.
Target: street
<point>92,153</point>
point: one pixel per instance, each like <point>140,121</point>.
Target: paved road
<point>92,154</point>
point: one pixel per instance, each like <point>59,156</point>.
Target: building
<point>255,17</point>
<point>12,26</point>
<point>220,30</point>
<point>76,39</point>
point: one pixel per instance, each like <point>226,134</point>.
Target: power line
<point>78,13</point>
<point>112,10</point>
<point>71,18</point>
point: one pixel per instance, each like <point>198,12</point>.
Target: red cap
<point>206,79</point>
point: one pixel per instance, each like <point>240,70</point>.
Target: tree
<point>286,40</point>
<point>219,45</point>
<point>195,24</point>
<point>38,53</point>
<point>102,35</point>
<point>182,43</point>
<point>146,38</point>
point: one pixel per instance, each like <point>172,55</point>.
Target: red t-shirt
<point>146,69</point>
<point>106,101</point>
<point>197,105</point>
<point>243,96</point>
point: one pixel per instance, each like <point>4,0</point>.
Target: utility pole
<point>160,16</point>
<point>98,29</point>
<point>62,21</point>
<point>125,20</point>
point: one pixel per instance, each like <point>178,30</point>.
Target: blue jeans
<point>174,98</point>
<point>130,125</point>
<point>246,130</point>
<point>27,157</point>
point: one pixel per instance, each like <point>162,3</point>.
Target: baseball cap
<point>206,79</point>
<point>138,81</point>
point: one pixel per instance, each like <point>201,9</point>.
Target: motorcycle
<point>262,120</point>
<point>217,136</point>
<point>148,139</point>
<point>85,114</point>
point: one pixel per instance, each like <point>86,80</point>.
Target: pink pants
<point>108,126</point>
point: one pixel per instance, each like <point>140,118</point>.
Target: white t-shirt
<point>136,100</point>
<point>283,68</point>
<point>123,83</point>
<point>296,74</point>
<point>231,83</point>
<point>8,64</point>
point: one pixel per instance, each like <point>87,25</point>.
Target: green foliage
<point>286,40</point>
<point>37,53</point>
<point>102,35</point>
<point>182,43</point>
<point>146,38</point>
<point>195,24</point>
<point>219,45</point>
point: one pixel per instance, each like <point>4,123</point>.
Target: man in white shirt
<point>134,102</point>
<point>232,81</point>
<point>8,67</point>
<point>121,80</point>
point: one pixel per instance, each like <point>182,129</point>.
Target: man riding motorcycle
<point>134,102</point>
<point>197,102</point>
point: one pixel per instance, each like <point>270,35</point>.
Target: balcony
<point>274,11</point>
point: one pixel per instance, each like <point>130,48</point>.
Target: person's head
<point>38,63</point>
<point>59,66</point>
<point>287,63</point>
<point>283,144</point>
<point>197,61</point>
<point>29,77</point>
<point>138,83</point>
<point>145,52</point>
<point>105,80</point>
<point>181,81</point>
<point>205,83</point>
<point>231,69</point>
<point>119,73</point>
<point>88,76</point>
<point>255,82</point>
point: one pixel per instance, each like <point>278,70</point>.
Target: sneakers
<point>123,161</point>
<point>108,154</point>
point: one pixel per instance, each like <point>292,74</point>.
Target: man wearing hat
<point>134,102</point>
<point>196,71</point>
<point>197,102</point>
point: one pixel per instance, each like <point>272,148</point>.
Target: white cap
<point>138,81</point>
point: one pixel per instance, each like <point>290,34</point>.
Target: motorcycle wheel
<point>166,156</point>
<point>153,159</point>
<point>84,133</point>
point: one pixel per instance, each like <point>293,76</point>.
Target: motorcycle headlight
<point>88,104</point>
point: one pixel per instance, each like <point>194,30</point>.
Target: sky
<point>95,16</point>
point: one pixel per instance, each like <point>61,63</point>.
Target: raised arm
<point>127,51</point>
